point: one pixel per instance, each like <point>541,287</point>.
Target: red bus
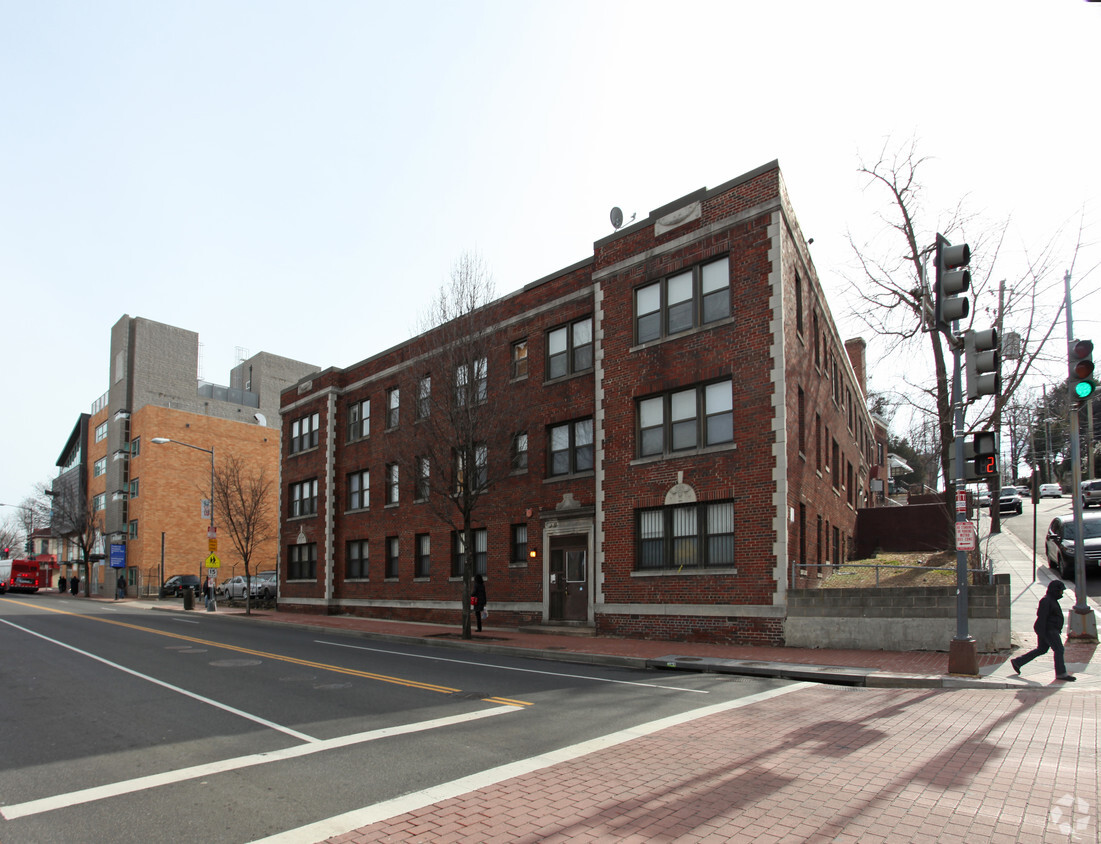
<point>24,576</point>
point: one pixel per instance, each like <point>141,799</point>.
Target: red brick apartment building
<point>693,432</point>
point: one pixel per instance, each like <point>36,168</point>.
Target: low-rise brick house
<point>691,433</point>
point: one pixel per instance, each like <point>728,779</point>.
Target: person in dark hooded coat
<point>1049,632</point>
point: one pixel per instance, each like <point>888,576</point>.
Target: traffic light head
<point>982,363</point>
<point>952,281</point>
<point>984,453</point>
<point>980,458</point>
<point>1082,383</point>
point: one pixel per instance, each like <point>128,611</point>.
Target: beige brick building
<point>142,492</point>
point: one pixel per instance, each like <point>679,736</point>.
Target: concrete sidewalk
<point>914,669</point>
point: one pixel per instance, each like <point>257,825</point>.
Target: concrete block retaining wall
<point>897,619</point>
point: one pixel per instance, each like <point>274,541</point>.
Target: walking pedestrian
<point>478,599</point>
<point>62,583</point>
<point>1049,632</point>
<point>74,584</point>
<point>120,587</point>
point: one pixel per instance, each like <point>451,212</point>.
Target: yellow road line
<point>382,678</point>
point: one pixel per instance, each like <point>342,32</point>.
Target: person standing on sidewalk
<point>120,587</point>
<point>1049,632</point>
<point>478,599</point>
<point>209,594</point>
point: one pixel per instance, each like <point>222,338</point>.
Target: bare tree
<point>464,439</point>
<point>75,519</point>
<point>1018,419</point>
<point>10,533</point>
<point>892,301</point>
<point>244,501</point>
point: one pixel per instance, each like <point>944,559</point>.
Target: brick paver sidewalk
<point>821,764</point>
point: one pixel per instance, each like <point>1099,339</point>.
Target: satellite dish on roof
<point>617,218</point>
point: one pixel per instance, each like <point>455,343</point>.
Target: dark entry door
<point>569,583</point>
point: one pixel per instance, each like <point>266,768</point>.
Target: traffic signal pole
<point>963,650</point>
<point>950,306</point>
<point>1083,622</point>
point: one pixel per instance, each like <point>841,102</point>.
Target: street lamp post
<point>210,451</point>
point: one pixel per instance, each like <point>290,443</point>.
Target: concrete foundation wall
<point>908,619</point>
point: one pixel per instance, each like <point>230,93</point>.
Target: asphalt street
<point>142,726</point>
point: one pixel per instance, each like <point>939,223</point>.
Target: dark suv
<point>175,585</point>
<point>1061,543</point>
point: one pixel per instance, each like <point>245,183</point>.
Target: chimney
<point>854,348</point>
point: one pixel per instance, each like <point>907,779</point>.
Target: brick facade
<point>730,444</point>
<point>142,490</point>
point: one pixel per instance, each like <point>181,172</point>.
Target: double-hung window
<point>357,559</point>
<point>393,555</point>
<point>422,562</point>
<point>359,488</point>
<point>687,419</point>
<point>393,403</point>
<point>304,432</point>
<point>481,545</point>
<point>99,467</point>
<point>421,489</point>
<point>359,420</point>
<point>424,396</point>
<point>686,536</point>
<point>571,447</point>
<point>302,562</point>
<point>570,348</point>
<point>391,483</point>
<point>471,468</point>
<point>471,382</point>
<point>520,452</point>
<point>520,359</point>
<point>683,301</point>
<point>304,498</point>
<point>519,543</point>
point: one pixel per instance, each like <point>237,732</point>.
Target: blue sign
<point>118,556</point>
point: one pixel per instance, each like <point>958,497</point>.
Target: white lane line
<point>510,668</point>
<point>223,706</point>
<point>351,821</point>
<point>102,792</point>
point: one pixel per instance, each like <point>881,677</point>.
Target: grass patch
<point>892,571</point>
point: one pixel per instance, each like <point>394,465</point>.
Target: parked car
<point>1060,543</point>
<point>1051,491</point>
<point>175,585</point>
<point>269,584</point>
<point>236,587</point>
<point>1009,501</point>
<point>985,498</point>
<point>1090,492</point>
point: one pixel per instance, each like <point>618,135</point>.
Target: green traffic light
<point>1084,389</point>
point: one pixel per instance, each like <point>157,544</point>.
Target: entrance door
<point>569,584</point>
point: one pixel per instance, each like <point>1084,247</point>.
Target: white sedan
<point>1051,491</point>
<point>235,587</point>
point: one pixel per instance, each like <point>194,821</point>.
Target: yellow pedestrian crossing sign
<point>212,562</point>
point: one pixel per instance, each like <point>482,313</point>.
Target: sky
<point>297,178</point>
